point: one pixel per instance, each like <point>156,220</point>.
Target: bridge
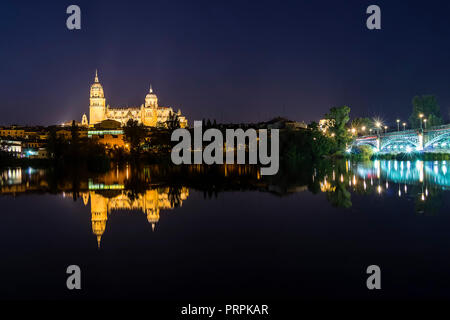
<point>434,139</point>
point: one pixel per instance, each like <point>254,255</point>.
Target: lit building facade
<point>149,114</point>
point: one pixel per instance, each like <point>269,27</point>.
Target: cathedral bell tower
<point>150,110</point>
<point>97,109</point>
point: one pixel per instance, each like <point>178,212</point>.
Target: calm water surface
<point>163,234</point>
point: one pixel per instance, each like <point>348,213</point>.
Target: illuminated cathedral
<point>149,113</point>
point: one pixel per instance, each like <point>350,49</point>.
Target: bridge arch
<point>366,142</point>
<point>398,145</point>
<point>372,144</point>
<point>439,139</point>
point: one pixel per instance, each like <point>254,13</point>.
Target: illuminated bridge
<point>434,139</point>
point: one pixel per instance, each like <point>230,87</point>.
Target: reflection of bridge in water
<point>434,139</point>
<point>434,173</point>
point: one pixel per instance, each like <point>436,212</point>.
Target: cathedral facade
<point>149,113</point>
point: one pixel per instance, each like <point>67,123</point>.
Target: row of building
<point>30,142</point>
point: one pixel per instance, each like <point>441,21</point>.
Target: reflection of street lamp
<point>425,123</point>
<point>404,126</point>
<point>398,124</point>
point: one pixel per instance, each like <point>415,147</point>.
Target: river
<point>159,233</point>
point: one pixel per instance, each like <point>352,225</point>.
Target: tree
<point>134,134</point>
<point>362,125</point>
<point>320,144</point>
<point>55,147</point>
<point>74,142</point>
<point>339,116</point>
<point>428,106</point>
<point>173,122</point>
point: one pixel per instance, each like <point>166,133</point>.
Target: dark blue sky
<point>234,61</point>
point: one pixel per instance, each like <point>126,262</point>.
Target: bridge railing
<point>409,131</point>
<point>442,127</point>
<point>395,133</point>
<point>392,133</point>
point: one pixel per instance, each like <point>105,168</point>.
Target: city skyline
<point>231,62</point>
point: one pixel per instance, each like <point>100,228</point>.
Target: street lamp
<point>378,125</point>
<point>398,124</point>
<point>425,123</point>
<point>404,126</point>
<point>421,116</point>
<point>385,128</point>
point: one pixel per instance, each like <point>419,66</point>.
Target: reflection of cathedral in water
<point>150,203</point>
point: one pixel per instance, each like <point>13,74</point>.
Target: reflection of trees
<point>341,197</point>
<point>136,179</point>
<point>135,185</point>
<point>174,196</point>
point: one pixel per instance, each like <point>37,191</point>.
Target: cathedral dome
<point>96,88</point>
<point>151,100</point>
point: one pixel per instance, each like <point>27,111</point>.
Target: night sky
<point>234,61</point>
